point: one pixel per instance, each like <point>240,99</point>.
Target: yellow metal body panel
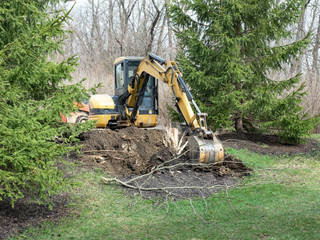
<point>120,59</point>
<point>102,120</point>
<point>205,150</point>
<point>101,101</point>
<point>146,120</point>
<point>104,101</point>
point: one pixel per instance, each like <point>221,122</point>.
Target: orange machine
<point>80,116</point>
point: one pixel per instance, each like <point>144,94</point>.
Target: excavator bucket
<point>205,150</point>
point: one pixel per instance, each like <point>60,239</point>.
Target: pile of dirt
<point>133,151</point>
<point>130,152</point>
<point>26,214</point>
<point>267,144</point>
<point>124,151</point>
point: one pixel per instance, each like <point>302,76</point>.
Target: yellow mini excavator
<point>136,103</point>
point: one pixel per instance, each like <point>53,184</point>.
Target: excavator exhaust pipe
<point>205,150</point>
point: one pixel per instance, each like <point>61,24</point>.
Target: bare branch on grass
<point>206,221</point>
<point>124,183</point>
<point>105,150</point>
<point>229,200</point>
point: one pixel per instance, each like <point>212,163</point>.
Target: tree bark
<point>160,38</point>
<point>238,124</point>
<point>152,28</point>
<point>241,54</point>
<point>315,51</point>
<point>110,41</point>
<point>297,63</point>
<point>170,34</point>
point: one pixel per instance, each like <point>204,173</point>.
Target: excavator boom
<point>203,145</point>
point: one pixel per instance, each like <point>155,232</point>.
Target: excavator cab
<point>111,114</point>
<point>124,73</point>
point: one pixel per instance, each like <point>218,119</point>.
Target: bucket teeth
<point>205,151</point>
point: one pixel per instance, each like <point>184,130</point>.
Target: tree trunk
<point>152,28</point>
<point>238,119</point>
<point>315,51</point>
<point>238,124</point>
<point>110,46</point>
<point>170,34</point>
<point>160,38</point>
<point>297,63</point>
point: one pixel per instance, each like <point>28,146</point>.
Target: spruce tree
<point>228,50</point>
<point>32,97</point>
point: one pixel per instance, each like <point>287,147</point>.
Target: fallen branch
<point>235,140</point>
<point>108,180</point>
<point>104,150</point>
<point>169,167</point>
<point>165,166</point>
<point>205,221</point>
<point>229,200</point>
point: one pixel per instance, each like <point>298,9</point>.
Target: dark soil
<point>26,214</point>
<point>121,152</point>
<point>184,181</point>
<point>267,144</point>
<point>131,152</point>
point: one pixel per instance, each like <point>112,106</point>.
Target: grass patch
<point>279,201</point>
<point>316,137</point>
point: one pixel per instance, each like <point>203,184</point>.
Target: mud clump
<point>231,166</point>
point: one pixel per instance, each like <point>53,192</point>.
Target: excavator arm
<point>203,145</point>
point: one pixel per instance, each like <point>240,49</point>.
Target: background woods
<point>102,30</point>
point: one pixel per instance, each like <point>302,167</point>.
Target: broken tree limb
<point>109,180</point>
<point>104,150</point>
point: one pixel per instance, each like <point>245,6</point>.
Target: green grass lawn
<point>281,200</point>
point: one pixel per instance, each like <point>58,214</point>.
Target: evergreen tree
<point>32,97</point>
<point>228,48</point>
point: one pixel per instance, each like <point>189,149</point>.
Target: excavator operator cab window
<point>131,71</point>
<point>149,103</point>
<point>123,73</point>
<point>120,75</point>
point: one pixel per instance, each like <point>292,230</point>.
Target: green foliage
<point>32,97</point>
<point>228,50</point>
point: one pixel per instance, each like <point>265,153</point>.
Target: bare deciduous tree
<point>103,30</point>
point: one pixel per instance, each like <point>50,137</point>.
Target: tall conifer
<point>32,97</point>
<point>228,50</point>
